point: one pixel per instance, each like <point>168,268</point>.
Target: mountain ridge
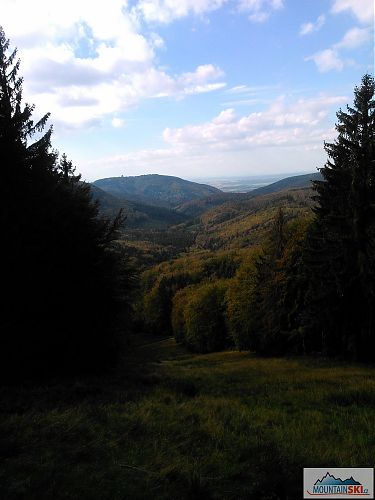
<point>157,209</point>
<point>155,189</point>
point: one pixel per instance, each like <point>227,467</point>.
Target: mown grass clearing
<point>173,425</point>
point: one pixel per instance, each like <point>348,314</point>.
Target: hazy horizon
<point>235,184</point>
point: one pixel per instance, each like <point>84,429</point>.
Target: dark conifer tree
<point>341,248</point>
<point>62,277</point>
<point>267,306</point>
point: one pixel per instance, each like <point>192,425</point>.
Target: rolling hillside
<point>244,223</point>
<point>235,227</point>
<point>160,190</point>
<point>196,208</point>
<point>138,215</point>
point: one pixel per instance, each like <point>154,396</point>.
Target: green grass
<point>172,425</point>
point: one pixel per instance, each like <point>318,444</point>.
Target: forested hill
<point>160,190</point>
<point>297,181</point>
<point>247,222</point>
<point>138,215</point>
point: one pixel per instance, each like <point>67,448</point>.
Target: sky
<point>192,88</point>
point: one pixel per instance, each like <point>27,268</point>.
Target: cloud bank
<point>86,61</point>
<point>296,126</point>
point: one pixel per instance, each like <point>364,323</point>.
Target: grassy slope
<point>224,425</point>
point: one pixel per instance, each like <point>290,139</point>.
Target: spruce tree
<point>63,278</point>
<point>266,306</point>
<point>341,241</point>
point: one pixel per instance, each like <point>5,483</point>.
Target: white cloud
<point>363,10</point>
<point>117,122</point>
<point>354,38</point>
<point>238,89</point>
<point>327,60</point>
<point>166,11</point>
<point>259,10</point>
<point>157,41</point>
<point>308,28</point>
<point>86,60</point>
<point>251,91</point>
<point>201,89</point>
<point>226,116</point>
<point>330,59</point>
<point>201,75</point>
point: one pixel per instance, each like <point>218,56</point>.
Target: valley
<point>221,220</point>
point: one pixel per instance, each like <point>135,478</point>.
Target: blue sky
<point>193,88</point>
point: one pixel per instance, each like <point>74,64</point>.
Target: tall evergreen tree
<point>62,277</point>
<point>267,302</point>
<point>341,252</point>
